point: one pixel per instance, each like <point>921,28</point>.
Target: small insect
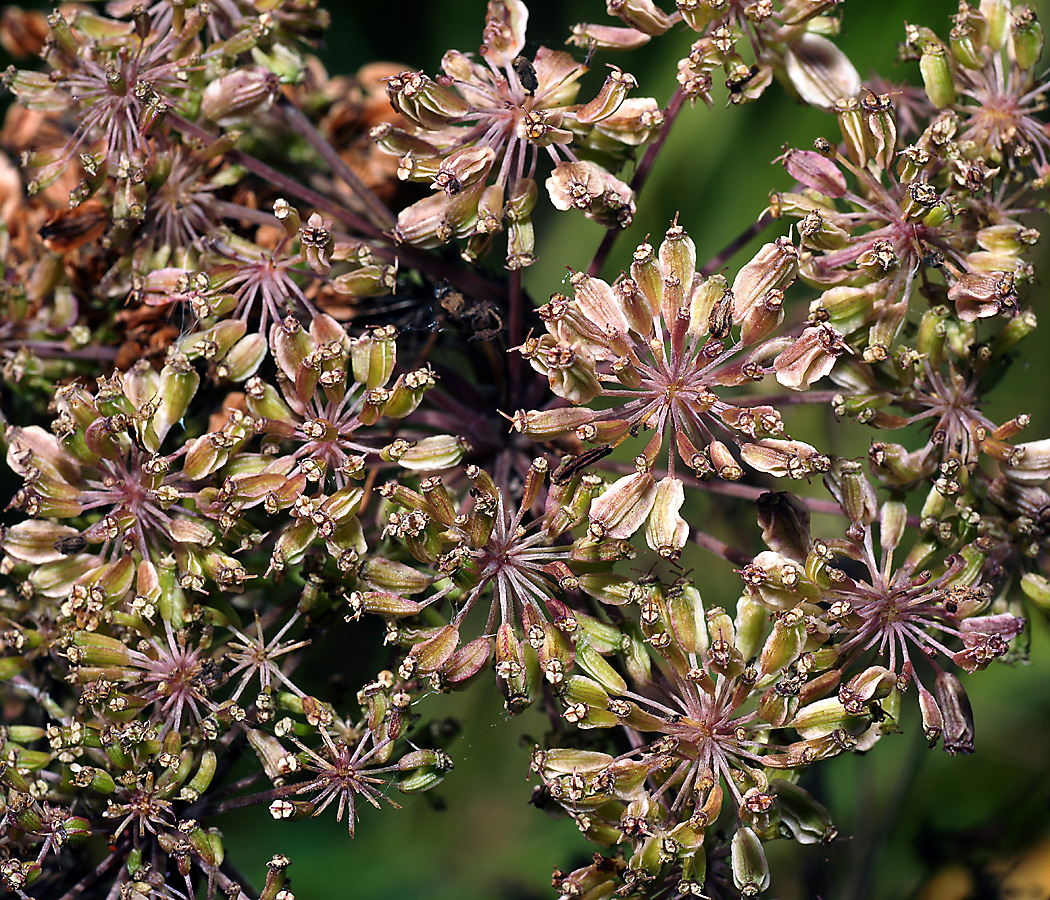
<point>526,74</point>
<point>571,467</point>
<point>70,545</point>
<point>737,84</point>
<point>479,319</point>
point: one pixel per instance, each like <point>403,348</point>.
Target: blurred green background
<point>905,813</point>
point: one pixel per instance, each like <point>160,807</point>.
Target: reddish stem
<point>377,210</point>
<point>720,548</point>
<point>641,175</point>
<point>751,232</point>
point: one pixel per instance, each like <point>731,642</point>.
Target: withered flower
<point>482,127</point>
<point>340,773</point>
<point>660,346</point>
<point>988,76</point>
<point>169,674</point>
<point>909,612</point>
<point>115,78</point>
<point>103,456</point>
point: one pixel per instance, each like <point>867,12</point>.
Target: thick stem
<point>56,350</point>
<point>465,279</point>
<point>376,209</point>
<point>278,180</point>
<point>641,175</point>
<point>751,232</point>
<point>515,337</point>
<point>720,548</point>
<point>792,397</point>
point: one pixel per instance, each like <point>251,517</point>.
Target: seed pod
<point>440,451</point>
<point>245,92</point>
<point>707,297</point>
<point>807,820</point>
<point>685,618</point>
<point>777,457</point>
<point>197,785</point>
<point>809,358</point>
<point>997,15</point>
<point>881,129</point>
<point>243,359</point>
<point>642,15</point>
<point>783,645</point>
<point>678,266</point>
<point>609,98</point>
<point>1037,589</point>
<point>849,486</point>
<point>431,654</point>
<point>466,662</point>
<point>1026,38</point>
<point>750,869</point>
<point>965,41</point>
<point>777,582</point>
<point>785,524</point>
<point>373,356</point>
<point>666,531</point>
<point>723,462</point>
<point>101,650</point>
<point>816,171</point>
<point>956,714</point>
<point>595,665</point>
<point>423,101</point>
<point>820,72</point>
<point>821,718</point>
<point>425,769</point>
<point>774,267</point>
<point>979,296</point>
<point>599,303</point>
<point>387,575</point>
<point>622,508</point>
<point>937,75</point>
<point>749,625</point>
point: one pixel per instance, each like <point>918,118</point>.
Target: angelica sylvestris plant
<point>272,385</point>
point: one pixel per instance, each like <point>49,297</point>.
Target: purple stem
<point>465,279</point>
<point>793,397</point>
<point>641,174</point>
<point>101,354</point>
<point>752,231</point>
<point>278,180</point>
<point>376,209</point>
<point>720,548</point>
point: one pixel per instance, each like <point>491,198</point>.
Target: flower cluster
<point>227,458</point>
<point>480,130</point>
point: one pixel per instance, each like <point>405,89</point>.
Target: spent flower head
<point>481,129</point>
